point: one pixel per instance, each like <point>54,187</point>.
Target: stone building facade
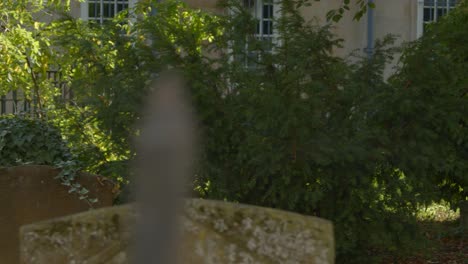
<point>404,18</point>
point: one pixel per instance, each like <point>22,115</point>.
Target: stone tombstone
<point>213,232</point>
<point>464,216</point>
<point>30,194</point>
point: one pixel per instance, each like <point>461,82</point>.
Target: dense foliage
<point>297,133</point>
<point>24,141</point>
<point>428,109</point>
<point>285,124</point>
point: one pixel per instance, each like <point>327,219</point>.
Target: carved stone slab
<point>213,232</point>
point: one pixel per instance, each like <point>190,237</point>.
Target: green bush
<point>295,127</point>
<point>427,110</point>
<point>297,131</point>
<point>30,141</point>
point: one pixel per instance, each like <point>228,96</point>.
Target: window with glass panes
<point>264,12</point>
<point>432,10</point>
<point>265,17</point>
<point>102,10</point>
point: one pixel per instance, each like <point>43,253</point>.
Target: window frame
<point>257,12</point>
<point>84,9</point>
<point>424,4</point>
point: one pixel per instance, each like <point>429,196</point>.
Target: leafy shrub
<point>427,110</point>
<point>298,129</point>
<point>30,141</point>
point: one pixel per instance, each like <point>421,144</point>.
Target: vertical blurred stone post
<point>165,153</point>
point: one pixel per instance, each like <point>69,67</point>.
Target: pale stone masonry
<point>398,17</point>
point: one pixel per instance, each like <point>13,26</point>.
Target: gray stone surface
<point>213,232</point>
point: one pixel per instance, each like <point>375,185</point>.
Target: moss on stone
<point>214,232</point>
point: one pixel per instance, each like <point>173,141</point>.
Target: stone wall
<point>213,232</point>
<point>30,194</point>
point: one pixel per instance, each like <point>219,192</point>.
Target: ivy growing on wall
<point>31,141</point>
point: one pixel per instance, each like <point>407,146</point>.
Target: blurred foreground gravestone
<point>165,152</point>
<point>30,194</point>
<point>213,232</point>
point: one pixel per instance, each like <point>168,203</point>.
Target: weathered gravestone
<point>464,215</point>
<point>30,194</point>
<point>213,232</point>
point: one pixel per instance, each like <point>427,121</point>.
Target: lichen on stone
<point>214,232</point>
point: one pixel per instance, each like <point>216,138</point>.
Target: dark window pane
<point>429,2</point>
<point>248,3</point>
<point>94,10</point>
<point>108,10</point>
<point>442,3</point>
<point>112,10</point>
<point>441,12</point>
<point>267,27</point>
<point>428,14</point>
<point>268,11</point>
<point>121,7</point>
<point>90,10</point>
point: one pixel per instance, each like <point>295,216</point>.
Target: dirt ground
<point>446,243</point>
